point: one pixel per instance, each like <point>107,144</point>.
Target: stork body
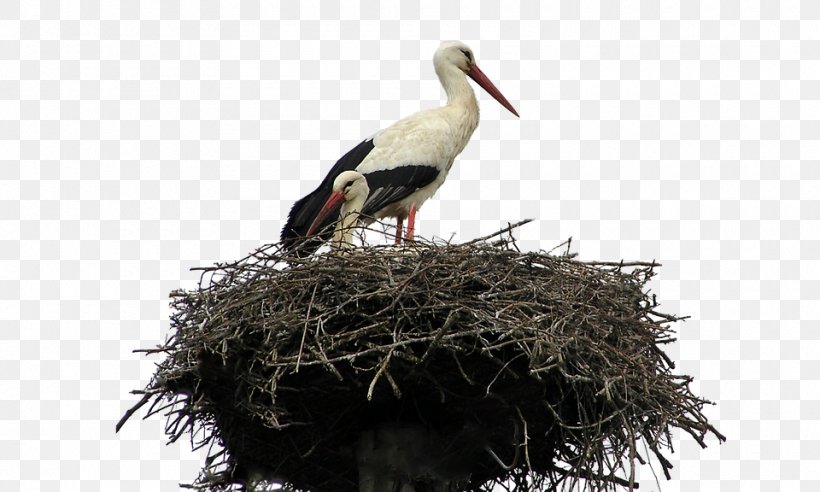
<point>407,162</point>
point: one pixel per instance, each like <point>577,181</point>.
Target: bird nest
<point>535,370</point>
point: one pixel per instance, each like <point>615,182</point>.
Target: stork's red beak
<point>476,74</point>
<point>331,205</point>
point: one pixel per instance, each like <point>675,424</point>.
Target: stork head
<point>458,55</point>
<point>349,187</point>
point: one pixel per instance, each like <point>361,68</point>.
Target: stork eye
<point>468,55</point>
<point>349,184</point>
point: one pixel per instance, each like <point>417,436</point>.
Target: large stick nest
<point>553,365</point>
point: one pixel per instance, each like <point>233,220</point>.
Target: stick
<point>498,233</point>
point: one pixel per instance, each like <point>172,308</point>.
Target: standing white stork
<point>405,163</point>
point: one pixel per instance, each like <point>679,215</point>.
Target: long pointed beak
<point>331,205</point>
<point>476,74</point>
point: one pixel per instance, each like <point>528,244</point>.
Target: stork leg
<point>411,222</point>
<point>399,229</point>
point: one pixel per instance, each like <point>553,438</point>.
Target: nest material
<point>548,364</point>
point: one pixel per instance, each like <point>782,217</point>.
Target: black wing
<point>304,211</point>
<point>391,185</point>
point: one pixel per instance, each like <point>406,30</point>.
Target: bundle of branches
<point>531,370</point>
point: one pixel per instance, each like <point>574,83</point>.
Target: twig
<point>382,368</point>
<point>128,413</point>
<point>498,233</point>
<point>305,327</point>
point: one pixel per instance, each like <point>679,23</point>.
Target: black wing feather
<point>304,211</point>
<point>391,185</point>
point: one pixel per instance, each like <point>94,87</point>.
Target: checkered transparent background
<point>139,139</point>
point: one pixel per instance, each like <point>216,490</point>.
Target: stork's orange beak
<point>331,206</point>
<point>476,74</point>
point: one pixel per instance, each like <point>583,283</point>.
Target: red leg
<point>411,222</point>
<point>399,228</point>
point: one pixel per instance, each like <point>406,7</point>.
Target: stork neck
<point>343,235</point>
<point>457,88</point>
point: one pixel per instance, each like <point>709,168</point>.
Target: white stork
<point>405,163</point>
<point>350,191</point>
